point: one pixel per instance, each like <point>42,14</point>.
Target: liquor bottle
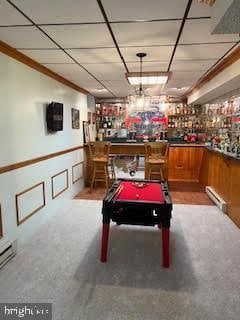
<point>178,109</point>
<point>189,123</point>
<point>109,124</point>
<point>185,122</point>
<point>105,123</point>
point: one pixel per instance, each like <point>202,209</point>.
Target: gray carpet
<point>60,265</point>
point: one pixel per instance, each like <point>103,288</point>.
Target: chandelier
<point>140,101</point>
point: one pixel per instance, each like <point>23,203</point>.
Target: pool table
<point>138,202</point>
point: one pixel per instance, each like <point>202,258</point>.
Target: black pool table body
<point>147,205</point>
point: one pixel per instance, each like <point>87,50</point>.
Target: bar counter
<point>184,160</point>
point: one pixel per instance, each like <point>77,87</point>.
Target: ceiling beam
<point>111,32</point>
<point>180,32</point>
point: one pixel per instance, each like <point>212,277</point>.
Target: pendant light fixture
<point>140,93</point>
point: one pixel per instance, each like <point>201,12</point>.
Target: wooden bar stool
<point>99,155</point>
<point>156,158</point>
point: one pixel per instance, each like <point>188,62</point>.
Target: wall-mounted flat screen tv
<point>55,116</point>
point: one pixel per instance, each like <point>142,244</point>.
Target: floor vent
<point>7,254</point>
<point>216,199</point>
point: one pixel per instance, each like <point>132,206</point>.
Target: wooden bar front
<point>222,173</point>
<point>184,161</point>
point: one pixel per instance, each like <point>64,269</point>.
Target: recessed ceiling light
<point>179,89</point>
<point>147,78</point>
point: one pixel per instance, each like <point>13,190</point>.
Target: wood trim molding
<point>226,62</point>
<point>17,55</point>
<point>75,165</point>
<point>1,227</point>
<point>25,163</point>
<point>35,210</point>
<point>52,183</point>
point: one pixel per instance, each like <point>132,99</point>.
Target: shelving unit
<point>109,119</point>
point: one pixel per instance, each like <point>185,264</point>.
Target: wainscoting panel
<point>59,183</point>
<point>29,202</point>
<point>77,172</point>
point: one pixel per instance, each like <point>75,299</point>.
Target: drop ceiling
<point>72,38</point>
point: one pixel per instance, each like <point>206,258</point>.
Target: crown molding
<point>17,55</point>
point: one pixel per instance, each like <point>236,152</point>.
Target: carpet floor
<point>60,264</point>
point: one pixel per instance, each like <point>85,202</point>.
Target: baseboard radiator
<point>216,198</point>
<point>8,253</point>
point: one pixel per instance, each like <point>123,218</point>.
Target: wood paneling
<point>25,163</point>
<point>17,55</point>
<point>26,217</point>
<point>223,175</point>
<point>234,207</point>
<point>184,163</point>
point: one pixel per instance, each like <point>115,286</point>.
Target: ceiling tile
<point>186,75</point>
<point>89,84</point>
<point>48,56</point>
<point>10,16</point>
<point>70,71</point>
<point>118,85</point>
<point>81,36</point>
<point>106,55</point>
<point>148,66</point>
<point>25,37</point>
<point>192,65</point>
<point>153,53</point>
<point>61,11</point>
<point>144,10</point>
<point>147,33</point>
<point>110,71</point>
<point>121,93</point>
<point>179,83</point>
<point>199,9</point>
<point>101,94</point>
<point>154,90</point>
<point>199,31</point>
<point>207,51</point>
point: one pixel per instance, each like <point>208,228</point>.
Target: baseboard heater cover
<point>216,198</point>
<point>8,253</point>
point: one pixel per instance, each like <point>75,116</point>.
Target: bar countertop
<point>224,154</point>
<point>172,144</point>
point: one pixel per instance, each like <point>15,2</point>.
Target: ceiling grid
<point>94,47</point>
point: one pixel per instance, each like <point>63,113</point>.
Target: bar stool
<point>156,158</point>
<point>102,163</point>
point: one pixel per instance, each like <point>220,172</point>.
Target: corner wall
<point>25,94</point>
